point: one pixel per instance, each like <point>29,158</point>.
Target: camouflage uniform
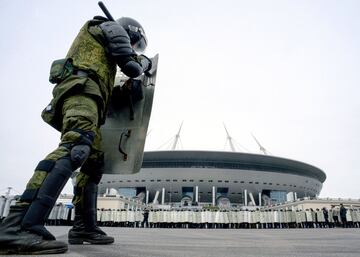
<point>79,103</point>
<point>77,110</point>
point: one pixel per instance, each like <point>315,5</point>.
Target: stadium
<point>216,178</point>
<point>173,177</point>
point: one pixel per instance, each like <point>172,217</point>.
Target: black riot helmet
<point>136,33</point>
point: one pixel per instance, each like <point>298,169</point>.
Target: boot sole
<point>80,241</point>
<point>40,252</point>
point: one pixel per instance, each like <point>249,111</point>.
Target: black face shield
<point>137,38</point>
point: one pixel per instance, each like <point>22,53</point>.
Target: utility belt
<point>63,68</point>
<point>86,74</point>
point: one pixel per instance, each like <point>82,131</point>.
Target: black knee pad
<point>80,150</point>
<point>79,154</point>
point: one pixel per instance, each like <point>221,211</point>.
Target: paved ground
<point>138,242</point>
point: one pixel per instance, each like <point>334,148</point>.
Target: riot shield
<point>125,129</point>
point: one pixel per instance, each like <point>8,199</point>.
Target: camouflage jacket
<point>88,54</point>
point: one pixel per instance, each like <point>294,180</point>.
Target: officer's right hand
<point>146,63</point>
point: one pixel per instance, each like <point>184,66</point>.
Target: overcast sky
<point>286,71</point>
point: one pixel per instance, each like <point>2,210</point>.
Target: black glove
<point>146,63</point>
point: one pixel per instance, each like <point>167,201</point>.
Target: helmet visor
<point>138,38</point>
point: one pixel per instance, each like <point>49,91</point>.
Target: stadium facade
<point>217,178</point>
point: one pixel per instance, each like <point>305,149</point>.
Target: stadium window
<point>210,181</point>
<point>152,180</point>
<point>168,180</point>
<point>226,181</point>
<point>236,181</point>
<point>187,191</point>
<point>277,184</point>
<point>284,185</point>
<point>219,181</point>
<point>222,191</point>
<point>270,184</point>
<point>108,182</point>
<point>136,180</point>
<point>250,182</point>
<point>113,181</point>
<point>256,182</point>
<point>184,180</point>
<point>201,180</point>
<point>128,181</point>
<point>294,185</point>
<point>143,180</point>
<point>174,180</point>
<point>191,180</point>
<point>120,181</point>
<point>176,192</point>
<point>264,183</point>
<point>242,182</point>
<point>159,180</point>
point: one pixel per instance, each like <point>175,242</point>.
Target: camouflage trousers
<point>79,113</point>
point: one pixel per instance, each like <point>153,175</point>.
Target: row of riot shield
<point>63,214</point>
<point>5,203</point>
<point>202,218</point>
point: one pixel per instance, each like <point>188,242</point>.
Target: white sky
<point>286,71</point>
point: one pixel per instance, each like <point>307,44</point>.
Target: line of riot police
<point>213,218</point>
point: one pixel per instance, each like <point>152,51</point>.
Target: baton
<point>106,11</point>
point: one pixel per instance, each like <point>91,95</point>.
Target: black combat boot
<point>85,228</point>
<point>26,242</point>
<point>34,238</point>
<point>14,240</point>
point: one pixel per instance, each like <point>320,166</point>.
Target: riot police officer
<point>84,82</point>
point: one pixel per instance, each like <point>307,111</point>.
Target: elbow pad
<point>132,69</point>
<point>137,66</point>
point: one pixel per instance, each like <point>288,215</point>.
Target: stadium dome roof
<point>230,160</point>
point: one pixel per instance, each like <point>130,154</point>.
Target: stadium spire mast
<point>229,138</point>
<point>177,137</point>
<point>262,149</point>
<point>8,192</point>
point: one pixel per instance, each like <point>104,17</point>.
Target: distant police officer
<point>146,218</point>
<point>343,212</point>
<point>84,82</point>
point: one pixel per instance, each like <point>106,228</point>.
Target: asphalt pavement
<point>142,242</point>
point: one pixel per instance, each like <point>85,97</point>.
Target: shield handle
<point>126,134</point>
